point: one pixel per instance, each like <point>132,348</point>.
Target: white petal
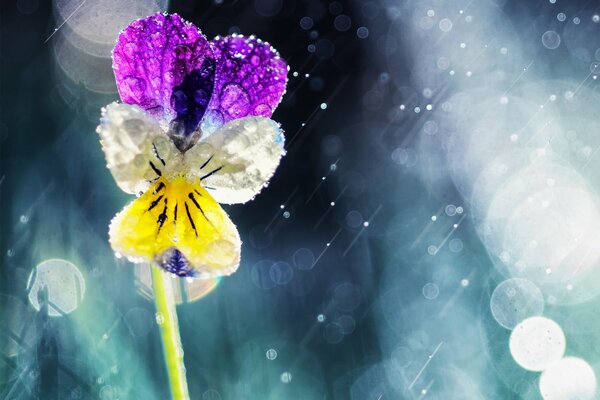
<point>135,147</point>
<point>238,160</point>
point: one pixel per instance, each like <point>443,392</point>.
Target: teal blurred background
<point>428,165</point>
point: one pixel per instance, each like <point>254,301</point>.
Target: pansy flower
<point>192,131</point>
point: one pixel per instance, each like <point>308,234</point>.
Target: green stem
<point>166,316</point>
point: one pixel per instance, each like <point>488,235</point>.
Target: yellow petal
<point>180,226</point>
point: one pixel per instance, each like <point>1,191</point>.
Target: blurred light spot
<point>320,317</point>
<point>271,354</point>
<point>430,127</point>
<point>281,272</point>
<point>333,333</point>
<point>445,25</point>
<point>551,40</point>
<point>362,32</point>
<point>260,275</point>
<point>455,245</point>
<point>304,259</point>
<point>536,343</point>
<point>335,7</point>
<point>561,17</point>
<point>57,282</point>
<point>576,20</point>
<point>286,377</point>
<point>347,323</point>
<point>450,210</point>
<point>93,27</point>
<point>431,291</point>
<point>268,8</point>
<point>323,106</point>
<point>515,300</point>
<point>306,23</point>
<point>108,392</point>
<point>568,379</point>
<point>354,219</point>
<point>443,63</point>
<point>404,156</point>
<point>342,23</point>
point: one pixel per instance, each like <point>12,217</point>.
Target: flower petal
<point>250,80</point>
<point>181,227</point>
<point>166,66</point>
<point>136,149</point>
<point>238,160</point>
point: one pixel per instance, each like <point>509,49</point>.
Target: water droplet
<point>235,100</point>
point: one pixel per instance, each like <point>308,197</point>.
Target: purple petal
<point>151,60</point>
<point>250,79</point>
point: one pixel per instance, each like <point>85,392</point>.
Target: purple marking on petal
<point>152,56</point>
<point>174,262</point>
<point>250,78</point>
<point>190,99</point>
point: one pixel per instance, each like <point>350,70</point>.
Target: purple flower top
<point>168,67</point>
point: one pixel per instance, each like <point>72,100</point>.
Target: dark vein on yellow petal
<point>155,202</point>
<point>187,210</point>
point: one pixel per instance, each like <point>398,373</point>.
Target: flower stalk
<point>166,317</point>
